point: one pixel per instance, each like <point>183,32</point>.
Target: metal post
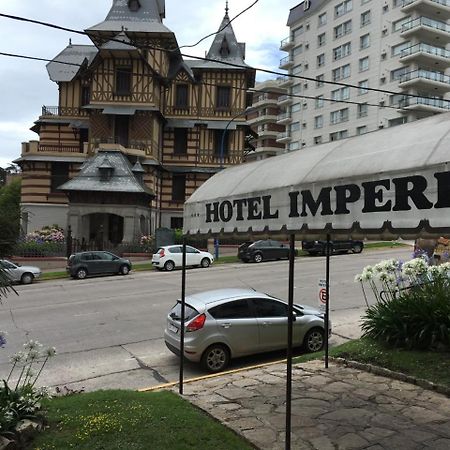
<point>327,303</point>
<point>69,242</point>
<point>183,315</point>
<point>289,346</point>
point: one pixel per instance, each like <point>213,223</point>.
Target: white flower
<point>33,355</point>
<point>415,267</point>
<point>32,345</point>
<point>17,357</point>
<point>358,278</point>
<point>50,352</point>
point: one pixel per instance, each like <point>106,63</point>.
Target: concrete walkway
<point>335,408</point>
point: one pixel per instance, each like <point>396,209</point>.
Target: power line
<point>237,66</point>
<point>237,88</point>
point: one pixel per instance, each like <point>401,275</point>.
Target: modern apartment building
<point>268,119</point>
<point>137,129</point>
<point>392,45</point>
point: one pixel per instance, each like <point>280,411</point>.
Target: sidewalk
<point>335,408</point>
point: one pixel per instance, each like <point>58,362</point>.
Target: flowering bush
<point>19,398</point>
<point>146,241</point>
<point>412,306</point>
<point>47,234</point>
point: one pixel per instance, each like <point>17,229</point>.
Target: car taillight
<point>161,253</point>
<point>197,323</point>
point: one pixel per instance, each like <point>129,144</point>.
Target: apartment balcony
<point>427,29</point>
<point>263,100</point>
<point>425,80</point>
<point>286,44</point>
<point>284,137</point>
<point>438,8</point>
<point>267,134</point>
<point>263,118</point>
<point>36,147</point>
<point>63,111</point>
<point>431,105</point>
<point>284,100</point>
<point>286,81</point>
<point>424,54</point>
<point>286,63</point>
<point>284,119</point>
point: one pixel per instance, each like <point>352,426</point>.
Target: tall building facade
<point>393,45</point>
<point>137,129</point>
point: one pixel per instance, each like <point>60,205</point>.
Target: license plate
<point>172,328</point>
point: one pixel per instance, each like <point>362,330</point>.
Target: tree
<point>9,217</point>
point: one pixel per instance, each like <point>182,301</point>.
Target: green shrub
<point>417,318</point>
<point>40,249</point>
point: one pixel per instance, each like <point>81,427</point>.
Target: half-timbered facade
<point>132,92</point>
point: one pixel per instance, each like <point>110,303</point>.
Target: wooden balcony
<point>38,148</point>
<point>193,112</point>
<point>63,111</point>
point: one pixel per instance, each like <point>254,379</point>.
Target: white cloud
<point>25,86</point>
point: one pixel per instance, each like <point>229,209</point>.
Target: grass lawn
<point>431,366</point>
<point>119,420</point>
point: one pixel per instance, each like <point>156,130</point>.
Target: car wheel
<point>169,266</point>
<point>258,257</point>
<point>314,340</point>
<point>27,278</point>
<point>357,248</point>
<point>205,263</point>
<point>124,270</point>
<point>215,358</point>
<point>81,274</point>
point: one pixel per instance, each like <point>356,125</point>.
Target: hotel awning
<point>386,184</point>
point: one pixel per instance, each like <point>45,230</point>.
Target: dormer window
<point>106,169</point>
<point>225,49</point>
<point>134,5</point>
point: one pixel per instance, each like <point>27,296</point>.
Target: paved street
<point>108,331</point>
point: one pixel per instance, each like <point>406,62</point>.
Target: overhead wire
<point>225,63</point>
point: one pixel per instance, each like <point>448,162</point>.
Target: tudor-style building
<point>137,129</point>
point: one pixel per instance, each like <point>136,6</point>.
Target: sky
<point>25,86</point>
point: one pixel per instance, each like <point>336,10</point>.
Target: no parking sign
<point>322,294</point>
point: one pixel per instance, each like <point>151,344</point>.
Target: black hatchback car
<point>80,265</point>
<point>320,247</point>
<point>262,251</point>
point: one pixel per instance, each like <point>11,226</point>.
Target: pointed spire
<point>226,8</point>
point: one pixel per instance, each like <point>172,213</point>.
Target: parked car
<point>319,247</point>
<point>230,323</point>
<point>18,273</point>
<point>83,264</point>
<point>171,256</point>
<point>262,251</point>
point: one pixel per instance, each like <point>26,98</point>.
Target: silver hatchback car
<point>229,323</point>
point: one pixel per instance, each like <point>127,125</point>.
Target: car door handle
<point>267,323</point>
<point>225,325</point>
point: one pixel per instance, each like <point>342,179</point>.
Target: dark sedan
<point>319,247</point>
<point>81,265</point>
<point>262,251</point>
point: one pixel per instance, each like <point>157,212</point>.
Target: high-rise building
<point>137,129</point>
<point>391,45</point>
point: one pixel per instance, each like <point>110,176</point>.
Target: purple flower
<point>2,340</point>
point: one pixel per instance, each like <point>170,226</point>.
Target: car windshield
<point>7,264</point>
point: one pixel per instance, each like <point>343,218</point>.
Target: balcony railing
<point>427,74</point>
<point>196,113</point>
<point>440,2</point>
<point>64,111</point>
<point>286,43</point>
<point>286,61</point>
<point>426,22</point>
<point>425,48</point>
<point>130,144</point>
<point>433,102</point>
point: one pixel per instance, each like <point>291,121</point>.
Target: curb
<point>381,371</point>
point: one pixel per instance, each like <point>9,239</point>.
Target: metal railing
<point>425,48</point>
<point>427,22</point>
<point>433,102</point>
<point>286,60</point>
<point>440,2</point>
<point>63,111</point>
<point>427,74</point>
<point>285,42</point>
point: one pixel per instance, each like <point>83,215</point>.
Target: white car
<point>21,274</point>
<point>170,256</point>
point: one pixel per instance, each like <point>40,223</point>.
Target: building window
<point>221,138</point>
<point>343,8</point>
<point>296,107</point>
<point>339,116</point>
<point>320,60</point>
<point>59,175</point>
<point>364,64</point>
<point>365,18</point>
<point>321,40</point>
<point>398,49</point>
<point>295,126</point>
<point>85,95</point>
<point>176,223</point>
<point>179,188</point>
<point>318,122</point>
<point>320,80</point>
<point>398,24</point>
<point>363,85</point>
<point>319,101</point>
<point>363,110</point>
<point>397,121</point>
<point>298,31</point>
<point>343,29</point>
<point>364,41</point>
<point>322,20</point>
<point>342,51</point>
<point>298,50</point>
<point>223,99</point>
<point>338,135</point>
<point>397,3</point>
<point>180,141</point>
<point>361,130</point>
<point>340,94</point>
<point>317,140</point>
<point>123,81</point>
<point>398,74</point>
<point>341,72</point>
<point>181,96</point>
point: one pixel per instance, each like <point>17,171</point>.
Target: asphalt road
<point>108,331</point>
